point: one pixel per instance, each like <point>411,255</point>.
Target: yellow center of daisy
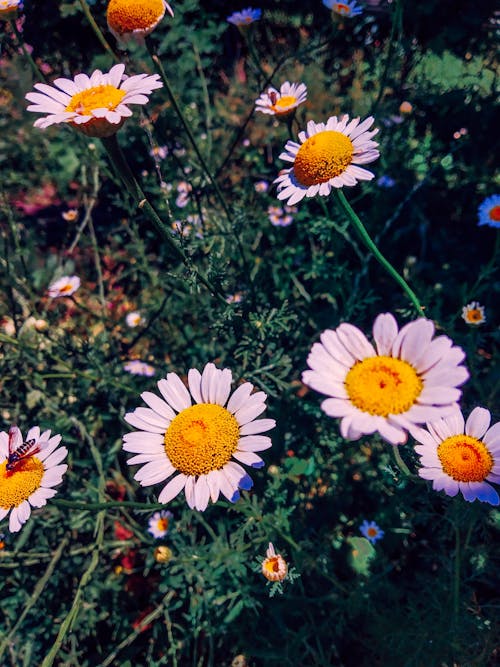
<point>18,484</point>
<point>128,15</point>
<point>383,385</point>
<point>495,213</point>
<point>474,315</point>
<point>162,524</point>
<point>201,438</point>
<point>465,459</point>
<point>98,97</point>
<point>372,532</point>
<point>283,104</point>
<point>66,288</point>
<point>274,568</point>
<point>322,157</point>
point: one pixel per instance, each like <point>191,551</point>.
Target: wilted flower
<point>65,286</point>
<point>407,380</point>
<point>371,531</point>
<point>201,441</point>
<point>461,459</point>
<point>9,9</point>
<point>159,523</point>
<point>274,566</point>
<point>347,8</point>
<point>489,212</point>
<point>135,18</point>
<point>95,105</point>
<point>137,367</point>
<point>284,101</point>
<point>327,157</point>
<point>245,17</point>
<point>163,554</point>
<point>27,481</point>
<point>473,313</point>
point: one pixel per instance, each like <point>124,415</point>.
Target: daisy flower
<point>245,17</point>
<point>407,379</point>
<point>95,105</point>
<point>261,186</point>
<point>71,215</point>
<point>473,313</point>
<point>134,319</point>
<point>159,523</point>
<point>135,18</point>
<point>28,481</point>
<point>489,212</point>
<point>348,8</point>
<point>65,286</point>
<point>9,9</point>
<point>371,531</point>
<point>284,101</point>
<point>327,157</point>
<point>274,566</point>
<point>198,445</point>
<point>458,456</point>
<point>137,367</point>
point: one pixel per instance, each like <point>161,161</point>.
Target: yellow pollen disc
<point>322,157</point>
<point>98,97</point>
<point>162,524</point>
<point>274,568</point>
<point>201,438</point>
<point>495,213</point>
<point>128,15</point>
<point>372,532</point>
<point>465,459</point>
<point>474,315</point>
<point>66,288</point>
<point>341,8</point>
<point>383,385</point>
<point>18,484</point>
<point>283,104</point>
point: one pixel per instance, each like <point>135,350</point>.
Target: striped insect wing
<point>15,439</point>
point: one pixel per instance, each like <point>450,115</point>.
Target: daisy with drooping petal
<point>489,212</point>
<point>135,18</point>
<point>245,17</point>
<point>274,566</point>
<point>473,313</point>
<point>371,531</point>
<point>284,101</point>
<point>348,8</point>
<point>159,523</point>
<point>406,379</point>
<point>198,445</point>
<point>95,105</point>
<point>29,481</point>
<point>327,157</point>
<point>9,9</point>
<point>138,367</point>
<point>461,456</point>
<point>65,286</point>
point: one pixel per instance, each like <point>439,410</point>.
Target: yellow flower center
<point>322,157</point>
<point>162,524</point>
<point>98,97</point>
<point>274,568</point>
<point>128,15</point>
<point>18,484</point>
<point>66,288</point>
<point>201,438</point>
<point>372,532</point>
<point>383,385</point>
<point>283,104</point>
<point>474,315</point>
<point>465,459</point>
<point>495,213</point>
<point>341,8</point>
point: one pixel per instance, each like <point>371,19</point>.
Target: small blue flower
<point>371,531</point>
<point>347,8</point>
<point>386,182</point>
<point>245,17</point>
<point>489,212</point>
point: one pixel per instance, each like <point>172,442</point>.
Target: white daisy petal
<point>478,422</point>
<point>172,489</point>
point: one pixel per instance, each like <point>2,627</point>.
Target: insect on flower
<point>19,450</point>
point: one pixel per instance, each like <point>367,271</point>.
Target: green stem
<point>27,55</point>
<point>97,30</point>
<point>112,504</point>
<point>396,19</point>
<point>365,237</point>
<point>122,168</point>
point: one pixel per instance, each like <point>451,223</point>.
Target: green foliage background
<point>68,596</point>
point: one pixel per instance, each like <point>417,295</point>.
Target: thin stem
<point>396,19</point>
<point>26,53</point>
<point>365,237</point>
<point>111,504</point>
<point>97,30</point>
<point>400,463</point>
